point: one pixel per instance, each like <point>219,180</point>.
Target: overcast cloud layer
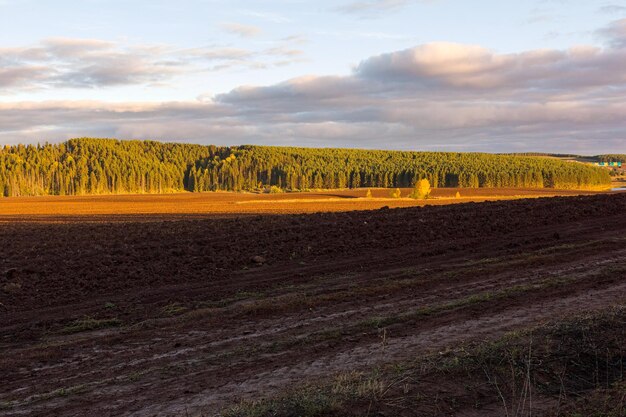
<point>445,96</point>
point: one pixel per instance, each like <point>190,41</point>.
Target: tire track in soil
<point>432,335</point>
<point>376,346</point>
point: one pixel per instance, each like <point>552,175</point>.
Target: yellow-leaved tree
<point>421,190</point>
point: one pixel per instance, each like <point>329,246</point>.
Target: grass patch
<point>307,403</point>
<point>5,405</point>
<point>173,309</point>
<point>89,323</point>
<point>577,365</point>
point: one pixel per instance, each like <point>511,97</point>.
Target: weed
<point>173,309</point>
<point>89,323</point>
<point>305,403</point>
<point>135,376</point>
<point>12,287</point>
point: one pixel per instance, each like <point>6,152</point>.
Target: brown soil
<point>175,317</point>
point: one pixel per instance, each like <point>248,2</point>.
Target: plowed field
<point>184,316</point>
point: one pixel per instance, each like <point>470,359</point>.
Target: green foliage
<point>106,166</point>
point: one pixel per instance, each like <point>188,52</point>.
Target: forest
<point>105,166</point>
<point>611,158</point>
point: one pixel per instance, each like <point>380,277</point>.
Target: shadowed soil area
<point>188,316</point>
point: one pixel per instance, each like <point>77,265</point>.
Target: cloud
<point>84,63</point>
<point>612,9</point>
<point>444,96</point>
<point>467,67</point>
<point>541,16</point>
<point>372,7</point>
<point>93,63</point>
<point>268,16</point>
<point>615,33</point>
<point>221,54</point>
<point>296,39</point>
<point>352,35</point>
<point>245,31</point>
<point>493,127</point>
<point>218,59</point>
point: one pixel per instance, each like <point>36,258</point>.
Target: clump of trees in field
<point>102,166</point>
<point>421,190</point>
<point>396,193</point>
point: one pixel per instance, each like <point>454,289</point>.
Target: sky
<point>447,75</point>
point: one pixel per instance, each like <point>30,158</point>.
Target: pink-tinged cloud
<point>458,67</point>
<point>246,31</point>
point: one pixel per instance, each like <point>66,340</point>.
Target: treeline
<point>303,168</point>
<point>97,166</point>
<point>550,155</point>
<point>611,158</point>
<point>102,166</point>
<point>595,158</point>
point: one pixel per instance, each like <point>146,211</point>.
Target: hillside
<point>103,166</point>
